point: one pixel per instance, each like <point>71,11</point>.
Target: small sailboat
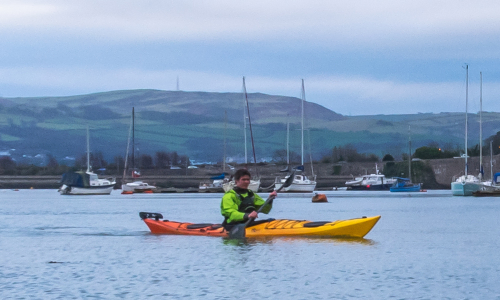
<point>255,182</point>
<point>405,184</point>
<point>301,183</point>
<point>466,184</point>
<point>85,182</point>
<point>137,186</point>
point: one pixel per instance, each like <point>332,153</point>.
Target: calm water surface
<point>426,246</point>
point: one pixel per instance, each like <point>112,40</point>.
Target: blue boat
<point>405,185</point>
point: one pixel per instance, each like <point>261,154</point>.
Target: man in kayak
<point>241,204</point>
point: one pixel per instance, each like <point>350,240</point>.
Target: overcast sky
<point>357,57</point>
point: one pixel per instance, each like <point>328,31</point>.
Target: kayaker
<point>240,204</point>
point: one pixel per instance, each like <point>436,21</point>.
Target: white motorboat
<point>137,187</point>
<point>372,182</point>
<point>355,181</point>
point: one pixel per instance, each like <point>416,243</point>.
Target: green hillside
<point>193,123</point>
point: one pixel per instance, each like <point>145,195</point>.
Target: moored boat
<point>354,228</point>
<point>300,184</point>
<point>405,185</point>
<point>85,183</point>
<point>372,182</point>
<point>465,185</point>
<point>136,186</point>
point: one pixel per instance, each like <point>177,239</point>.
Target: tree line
<point>160,160</point>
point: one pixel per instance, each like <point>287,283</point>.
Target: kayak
<point>354,228</point>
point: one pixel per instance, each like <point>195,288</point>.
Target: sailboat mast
<point>225,129</point>
<point>481,125</point>
<point>466,111</point>
<point>491,161</point>
<point>310,152</point>
<point>287,141</point>
<point>409,153</point>
<point>245,120</point>
<point>88,150</point>
<point>126,154</point>
<point>249,123</point>
<point>133,138</point>
<point>303,96</point>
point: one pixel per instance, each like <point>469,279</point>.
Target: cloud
<point>334,24</point>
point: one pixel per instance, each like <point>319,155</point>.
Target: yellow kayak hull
<point>342,228</point>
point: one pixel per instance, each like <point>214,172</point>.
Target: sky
<point>357,57</point>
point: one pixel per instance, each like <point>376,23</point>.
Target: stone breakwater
<point>444,170</point>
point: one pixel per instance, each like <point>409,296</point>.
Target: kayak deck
<point>341,228</point>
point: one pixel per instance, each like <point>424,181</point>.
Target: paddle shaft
<point>267,201</point>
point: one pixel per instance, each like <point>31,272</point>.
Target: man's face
<point>243,182</point>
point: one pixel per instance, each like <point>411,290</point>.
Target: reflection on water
<point>297,239</point>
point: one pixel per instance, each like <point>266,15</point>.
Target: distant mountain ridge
<point>193,123</point>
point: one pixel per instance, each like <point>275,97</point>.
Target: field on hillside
<point>192,123</point>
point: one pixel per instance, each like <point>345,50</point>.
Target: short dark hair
<point>240,173</point>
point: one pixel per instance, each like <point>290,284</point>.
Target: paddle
<point>238,231</point>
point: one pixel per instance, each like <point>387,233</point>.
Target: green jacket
<point>231,201</point>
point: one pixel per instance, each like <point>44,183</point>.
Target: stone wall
<point>444,169</point>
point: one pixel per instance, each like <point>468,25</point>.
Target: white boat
<point>137,186</point>
<point>215,186</point>
<point>300,184</point>
<point>355,181</point>
<point>466,184</point>
<point>372,182</point>
<point>85,183</point>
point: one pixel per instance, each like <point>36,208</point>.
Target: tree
<point>146,161</point>
<point>162,160</point>
<point>174,158</point>
<point>184,160</point>
<point>435,152</point>
<point>52,164</point>
<point>426,152</point>
<point>279,156</point>
<point>388,157</point>
<point>7,165</point>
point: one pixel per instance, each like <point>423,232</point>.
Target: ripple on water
<point>425,247</point>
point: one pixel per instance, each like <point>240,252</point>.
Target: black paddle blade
<point>237,232</point>
<point>289,180</point>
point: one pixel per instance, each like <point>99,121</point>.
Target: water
<point>426,246</point>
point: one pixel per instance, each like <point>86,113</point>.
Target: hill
<point>193,123</point>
